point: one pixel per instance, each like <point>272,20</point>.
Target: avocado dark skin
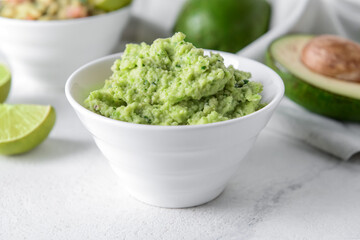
<point>225,25</point>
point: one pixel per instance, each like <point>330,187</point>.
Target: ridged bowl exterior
<point>174,166</point>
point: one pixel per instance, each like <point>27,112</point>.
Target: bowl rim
<point>79,108</point>
<point>52,23</point>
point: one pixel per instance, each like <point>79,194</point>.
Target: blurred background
<point>151,19</point>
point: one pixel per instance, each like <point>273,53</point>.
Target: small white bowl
<point>45,53</point>
<point>174,166</point>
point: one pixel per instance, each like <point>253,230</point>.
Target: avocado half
<point>324,95</point>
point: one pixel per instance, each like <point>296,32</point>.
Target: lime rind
<point>5,82</point>
<point>32,135</point>
<point>111,5</point>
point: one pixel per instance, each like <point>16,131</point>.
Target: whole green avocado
<point>226,25</point>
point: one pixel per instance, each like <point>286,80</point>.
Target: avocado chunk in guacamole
<point>173,83</point>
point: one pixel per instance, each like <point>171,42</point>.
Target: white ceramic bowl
<point>45,53</point>
<point>174,166</point>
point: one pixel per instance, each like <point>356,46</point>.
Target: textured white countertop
<point>65,189</point>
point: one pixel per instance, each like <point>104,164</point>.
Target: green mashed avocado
<point>173,83</point>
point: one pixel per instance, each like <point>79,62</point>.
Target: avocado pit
<point>333,56</point>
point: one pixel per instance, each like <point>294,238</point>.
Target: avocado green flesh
<point>227,25</point>
<point>287,52</point>
<point>320,94</point>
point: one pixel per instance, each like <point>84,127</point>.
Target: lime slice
<point>5,82</point>
<point>23,127</point>
<point>110,5</point>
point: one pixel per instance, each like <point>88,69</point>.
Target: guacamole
<point>173,83</point>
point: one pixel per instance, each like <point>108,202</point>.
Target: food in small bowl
<point>165,165</point>
<point>173,83</point>
<point>45,53</point>
<point>57,9</point>
<point>47,9</point>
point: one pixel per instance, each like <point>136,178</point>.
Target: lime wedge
<point>5,82</point>
<point>110,5</point>
<point>23,127</point>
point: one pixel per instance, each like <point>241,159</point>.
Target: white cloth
<point>155,18</point>
<point>334,137</point>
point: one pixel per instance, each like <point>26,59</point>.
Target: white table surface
<point>65,189</point>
